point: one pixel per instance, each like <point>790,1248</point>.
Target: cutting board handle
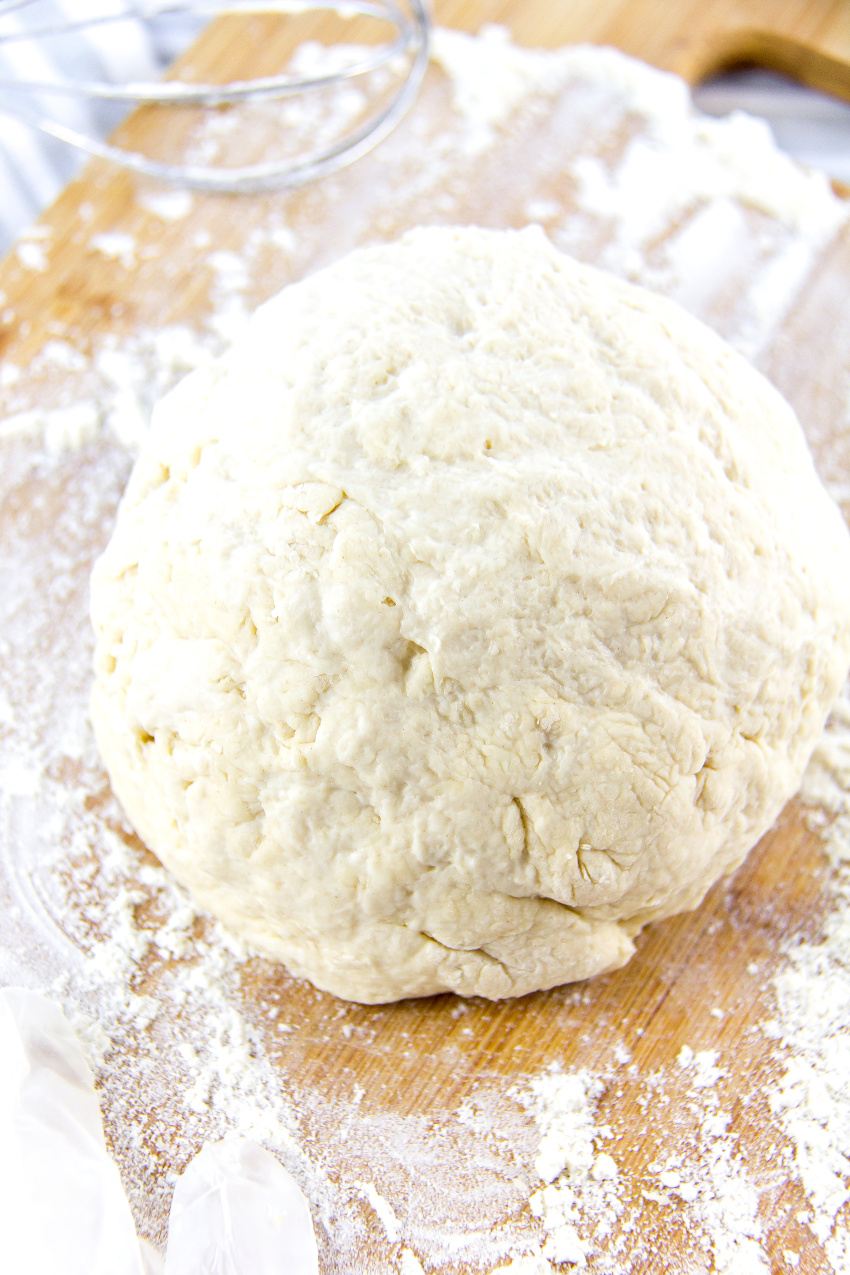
<point>808,39</point>
<point>782,36</point>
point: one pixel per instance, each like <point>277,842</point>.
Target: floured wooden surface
<point>416,1129</point>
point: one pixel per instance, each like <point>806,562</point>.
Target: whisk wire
<point>412,41</point>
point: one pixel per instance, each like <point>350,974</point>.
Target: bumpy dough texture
<point>474,610</point>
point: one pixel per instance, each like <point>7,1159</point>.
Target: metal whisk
<point>410,21</point>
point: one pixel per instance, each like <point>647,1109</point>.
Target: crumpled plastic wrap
<point>236,1211</point>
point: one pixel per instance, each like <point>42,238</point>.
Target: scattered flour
<point>117,247</point>
<point>530,1265</point>
<point>384,1210</point>
<point>714,1181</point>
<point>62,429</point>
<point>168,205</point>
<point>582,1181</point>
<point>410,1263</point>
<point>32,255</point>
<point>697,156</point>
<point>690,183</point>
<point>812,1097</point>
<point>491,77</point>
<point>590,1196</point>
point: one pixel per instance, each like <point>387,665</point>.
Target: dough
<point>475,609</point>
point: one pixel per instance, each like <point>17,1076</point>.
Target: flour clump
<point>475,609</point>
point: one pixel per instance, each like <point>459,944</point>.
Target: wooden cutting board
<point>376,1090</point>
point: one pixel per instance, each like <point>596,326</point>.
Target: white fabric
<point>33,166</point>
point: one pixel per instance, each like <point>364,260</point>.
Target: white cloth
<point>33,166</point>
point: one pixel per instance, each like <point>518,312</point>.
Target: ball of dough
<point>475,609</point>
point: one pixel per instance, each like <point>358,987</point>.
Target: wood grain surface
<point>701,980</point>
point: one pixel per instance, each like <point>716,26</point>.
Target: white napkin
<point>63,1211</point>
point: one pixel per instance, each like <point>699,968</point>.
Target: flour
<point>695,155</point>
<point>812,1098</point>
<point>168,205</point>
<point>563,1108</point>
<point>33,256</point>
<point>703,1177</point>
<point>116,246</point>
<point>813,1000</point>
<point>62,429</point>
<point>384,1210</point>
<point>529,1265</point>
<point>715,1182</point>
<point>410,1263</point>
<point>681,171</point>
<point>582,1180</point>
<point>491,77</point>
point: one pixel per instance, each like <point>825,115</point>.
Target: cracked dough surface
<point>475,609</point>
